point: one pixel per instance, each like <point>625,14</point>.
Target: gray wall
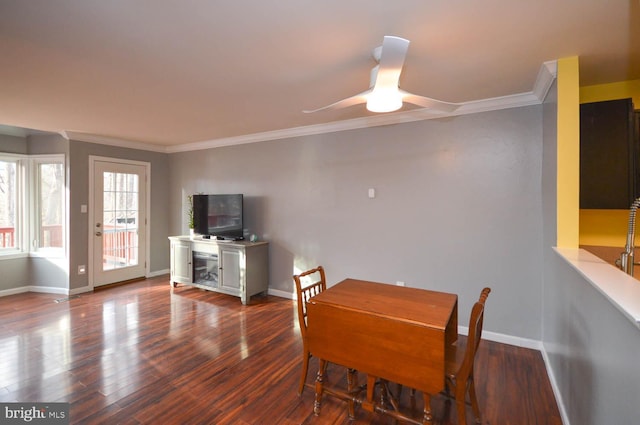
<point>592,349</point>
<point>550,171</point>
<point>13,144</point>
<point>457,206</point>
<point>15,272</point>
<point>79,192</point>
<point>37,271</point>
<point>55,273</point>
<point>50,272</point>
<point>460,203</point>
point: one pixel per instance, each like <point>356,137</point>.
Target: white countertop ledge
<point>621,289</point>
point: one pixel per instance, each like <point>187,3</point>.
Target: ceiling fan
<point>384,94</point>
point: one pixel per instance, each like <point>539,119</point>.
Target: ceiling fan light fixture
<point>384,100</point>
<point>384,93</point>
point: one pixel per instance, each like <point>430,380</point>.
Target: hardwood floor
<point>143,353</point>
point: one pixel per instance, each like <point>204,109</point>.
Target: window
<point>49,203</point>
<point>42,194</point>
<point>11,185</point>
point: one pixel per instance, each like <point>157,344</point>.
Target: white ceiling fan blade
<point>427,102</point>
<point>350,101</point>
<point>392,55</point>
<point>384,94</point>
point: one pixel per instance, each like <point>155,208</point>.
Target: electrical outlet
<point>399,283</point>
<point>82,269</point>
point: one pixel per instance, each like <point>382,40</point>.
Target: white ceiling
<point>168,73</point>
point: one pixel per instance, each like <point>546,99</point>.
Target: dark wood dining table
<point>390,333</point>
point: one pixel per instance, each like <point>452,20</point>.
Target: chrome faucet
<point>626,262</point>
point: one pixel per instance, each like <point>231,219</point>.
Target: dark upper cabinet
<point>608,155</point>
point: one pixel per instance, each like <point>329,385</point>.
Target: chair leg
<point>461,404</point>
<point>474,401</point>
<point>305,368</point>
<point>460,409</point>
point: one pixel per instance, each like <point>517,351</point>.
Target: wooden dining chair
<point>304,293</point>
<point>459,369</point>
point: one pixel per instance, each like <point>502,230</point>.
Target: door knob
<point>98,233</point>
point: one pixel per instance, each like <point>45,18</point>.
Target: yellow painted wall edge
<point>612,91</point>
<point>568,179</point>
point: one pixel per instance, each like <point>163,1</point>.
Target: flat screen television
<point>218,216</point>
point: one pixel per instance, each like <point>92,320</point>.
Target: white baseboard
<point>462,330</point>
<point>495,337</point>
<point>505,339</point>
<point>282,294</point>
<point>554,386</point>
<point>81,290</point>
<point>40,289</point>
<point>158,273</point>
<point>534,345</point>
<point>14,291</point>
<point>48,290</point>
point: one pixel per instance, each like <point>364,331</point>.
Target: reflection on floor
<point>144,353</point>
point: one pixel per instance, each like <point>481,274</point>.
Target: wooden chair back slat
<point>306,292</point>
<point>462,379</point>
<point>303,295</point>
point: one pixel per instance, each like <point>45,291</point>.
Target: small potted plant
<point>190,222</point>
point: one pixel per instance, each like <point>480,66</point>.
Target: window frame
<point>27,220</point>
<point>21,228</point>
<point>35,189</point>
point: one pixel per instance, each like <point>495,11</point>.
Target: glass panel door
<point>119,222</point>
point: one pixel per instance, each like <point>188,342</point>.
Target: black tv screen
<point>218,216</point>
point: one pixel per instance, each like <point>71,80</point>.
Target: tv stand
<point>237,268</point>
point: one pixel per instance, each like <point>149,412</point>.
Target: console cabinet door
<point>181,262</point>
<point>231,270</point>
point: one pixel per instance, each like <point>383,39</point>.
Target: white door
<point>119,217</point>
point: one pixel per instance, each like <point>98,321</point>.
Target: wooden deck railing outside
<point>119,245</point>
<point>51,236</point>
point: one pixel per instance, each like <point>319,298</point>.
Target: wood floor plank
<point>146,353</point>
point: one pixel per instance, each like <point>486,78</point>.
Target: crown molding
<point>494,104</point>
<point>546,76</point>
<point>111,141</point>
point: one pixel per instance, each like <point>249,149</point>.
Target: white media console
<point>236,268</point>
